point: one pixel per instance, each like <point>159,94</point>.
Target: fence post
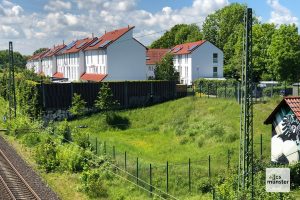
<point>209,166</point>
<point>104,147</point>
<point>44,96</point>
<point>261,147</point>
<point>190,188</point>
<point>71,92</point>
<point>96,146</point>
<point>137,170</point>
<point>228,159</point>
<point>114,153</point>
<point>167,178</point>
<point>125,165</point>
<point>150,174</point>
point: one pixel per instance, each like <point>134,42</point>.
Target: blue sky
<point>32,24</point>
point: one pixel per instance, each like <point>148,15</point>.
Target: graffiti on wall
<point>285,145</point>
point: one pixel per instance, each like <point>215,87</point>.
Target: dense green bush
<point>46,155</point>
<point>73,158</point>
<point>81,138</point>
<point>64,131</point>
<point>94,181</point>
<point>228,92</point>
<point>205,185</point>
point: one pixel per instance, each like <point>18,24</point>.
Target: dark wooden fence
<point>129,94</point>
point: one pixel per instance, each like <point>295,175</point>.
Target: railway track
<point>12,184</point>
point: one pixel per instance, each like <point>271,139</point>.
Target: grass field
<point>189,128</point>
<point>176,131</point>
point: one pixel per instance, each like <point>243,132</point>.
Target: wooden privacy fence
<point>129,94</point>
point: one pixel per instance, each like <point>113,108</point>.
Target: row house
<point>196,60</point>
<point>70,61</point>
<point>49,60</point>
<point>115,56</point>
<point>35,62</point>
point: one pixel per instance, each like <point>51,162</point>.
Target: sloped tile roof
<point>38,55</point>
<point>58,75</point>
<point>292,102</point>
<point>186,48</point>
<point>78,45</point>
<point>109,38</point>
<point>54,50</point>
<point>93,77</point>
<point>155,55</point>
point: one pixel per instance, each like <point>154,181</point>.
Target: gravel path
<point>34,180</point>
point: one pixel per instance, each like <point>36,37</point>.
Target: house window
<point>215,72</point>
<point>215,58</point>
<point>179,59</point>
<point>186,59</point>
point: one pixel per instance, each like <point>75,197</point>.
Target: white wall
<point>126,59</point>
<point>96,61</point>
<point>182,64</point>
<point>150,70</point>
<point>202,59</point>
<point>47,66</point>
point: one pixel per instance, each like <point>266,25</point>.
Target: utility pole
<point>11,84</point>
<point>246,128</point>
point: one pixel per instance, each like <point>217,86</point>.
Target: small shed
<point>285,120</point>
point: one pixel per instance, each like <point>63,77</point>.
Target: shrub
<point>72,158</point>
<point>93,181</point>
<point>105,100</point>
<point>295,176</point>
<point>229,92</point>
<point>81,138</point>
<point>78,107</point>
<point>46,155</point>
<point>64,131</point>
<point>205,185</point>
<point>212,87</point>
<point>31,139</point>
<point>116,121</point>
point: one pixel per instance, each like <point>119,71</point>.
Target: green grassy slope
<point>175,131</point>
<point>178,130</point>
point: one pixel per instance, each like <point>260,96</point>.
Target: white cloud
<point>57,5</point>
<point>280,14</point>
<point>8,32</point>
<point>69,20</point>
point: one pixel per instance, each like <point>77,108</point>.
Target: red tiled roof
<point>155,55</point>
<point>93,77</point>
<point>292,102</point>
<point>58,75</point>
<point>78,43</point>
<point>38,55</point>
<point>110,37</point>
<point>54,50</point>
<point>187,47</point>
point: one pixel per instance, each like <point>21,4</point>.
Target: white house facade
<point>35,62</point>
<point>70,61</point>
<point>49,61</point>
<point>116,56</point>
<point>197,60</point>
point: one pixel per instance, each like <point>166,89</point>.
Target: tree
<point>178,34</point>
<point>165,70</point>
<point>284,52</point>
<point>40,50</point>
<point>78,105</point>
<point>19,59</point>
<point>262,37</point>
<point>105,100</point>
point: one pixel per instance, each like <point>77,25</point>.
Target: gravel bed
<point>31,177</point>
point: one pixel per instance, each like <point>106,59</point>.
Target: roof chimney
<point>63,42</point>
<point>105,31</point>
<point>93,35</point>
<point>128,26</point>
